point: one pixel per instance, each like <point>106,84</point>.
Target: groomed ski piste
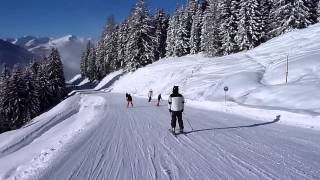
<point>267,129</point>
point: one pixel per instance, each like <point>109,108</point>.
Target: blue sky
<point>56,18</point>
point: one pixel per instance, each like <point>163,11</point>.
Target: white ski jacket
<point>176,102</point>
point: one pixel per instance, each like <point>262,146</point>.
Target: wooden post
<point>287,71</point>
<point>225,98</point>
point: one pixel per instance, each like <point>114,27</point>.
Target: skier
<point>176,107</point>
<point>159,99</point>
<point>150,95</point>
<point>129,99</point>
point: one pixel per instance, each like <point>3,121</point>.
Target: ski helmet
<point>175,89</point>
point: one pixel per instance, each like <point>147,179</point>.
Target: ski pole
<point>188,122</point>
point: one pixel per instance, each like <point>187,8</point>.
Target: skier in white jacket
<point>176,107</point>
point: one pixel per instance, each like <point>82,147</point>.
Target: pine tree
<point>110,45</point>
<point>266,18</point>
<point>32,94</point>
<point>229,20</point>
<point>141,44</point>
<point>288,15</point>
<point>100,63</point>
<point>182,38</point>
<point>195,38</point>
<point>172,34</point>
<point>84,60</point>
<point>14,103</point>
<point>92,69</point>
<point>318,12</point>
<point>161,26</point>
<point>4,80</point>
<point>56,77</point>
<point>122,41</point>
<point>251,25</point>
<point>312,6</point>
<point>210,33</point>
<point>44,91</point>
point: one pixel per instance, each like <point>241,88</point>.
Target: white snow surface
<point>256,78</point>
<point>93,135</point>
<point>108,80</point>
<point>75,78</point>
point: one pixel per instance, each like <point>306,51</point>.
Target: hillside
<point>12,54</point>
<point>255,78</point>
<point>70,48</point>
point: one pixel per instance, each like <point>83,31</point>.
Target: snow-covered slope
<point>94,136</point>
<point>12,54</point>
<point>255,78</point>
<point>70,48</point>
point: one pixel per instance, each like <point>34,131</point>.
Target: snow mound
<point>108,80</point>
<point>25,151</point>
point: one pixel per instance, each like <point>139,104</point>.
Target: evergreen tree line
<point>27,92</point>
<point>215,27</point>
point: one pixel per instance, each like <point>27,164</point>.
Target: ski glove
<point>170,110</point>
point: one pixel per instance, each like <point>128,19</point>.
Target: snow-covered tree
<point>210,34</point>
<point>141,43</point>
<point>229,11</point>
<point>14,103</point>
<point>123,36</point>
<point>172,34</point>
<point>84,59</point>
<point>44,91</point>
<point>56,78</point>
<point>161,26</point>
<point>195,37</point>
<point>110,45</point>
<point>182,35</point>
<point>4,80</point>
<point>288,15</point>
<point>92,69</point>
<point>32,101</point>
<point>251,25</point>
<point>318,12</point>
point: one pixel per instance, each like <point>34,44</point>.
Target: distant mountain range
<point>13,54</point>
<point>70,48</point>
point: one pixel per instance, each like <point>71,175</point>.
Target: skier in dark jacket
<point>176,107</point>
<point>150,95</point>
<point>129,100</point>
<point>159,99</point>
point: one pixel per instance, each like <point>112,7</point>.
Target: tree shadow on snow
<point>237,127</point>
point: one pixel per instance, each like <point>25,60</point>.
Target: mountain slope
<point>96,137</point>
<point>12,54</point>
<point>255,78</point>
<point>70,48</point>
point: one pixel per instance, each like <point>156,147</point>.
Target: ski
<point>173,133</point>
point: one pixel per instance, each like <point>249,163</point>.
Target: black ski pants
<point>174,116</point>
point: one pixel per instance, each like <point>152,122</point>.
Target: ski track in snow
<point>134,143</point>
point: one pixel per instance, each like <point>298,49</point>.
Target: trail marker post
<point>226,89</point>
<point>287,69</point>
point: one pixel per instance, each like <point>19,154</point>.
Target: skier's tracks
<point>134,143</point>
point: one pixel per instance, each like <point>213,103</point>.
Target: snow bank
<point>108,80</point>
<point>75,78</point>
<point>25,151</point>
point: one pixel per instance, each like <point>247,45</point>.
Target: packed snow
<point>94,135</point>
